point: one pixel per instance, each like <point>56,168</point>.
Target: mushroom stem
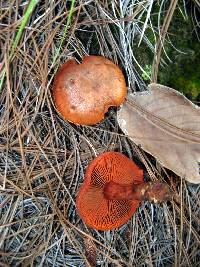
<point>150,191</point>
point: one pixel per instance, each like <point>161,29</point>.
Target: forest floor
<point>43,158</point>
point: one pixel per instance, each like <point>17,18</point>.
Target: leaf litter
<point>43,159</point>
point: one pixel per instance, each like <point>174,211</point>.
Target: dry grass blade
<point>161,39</point>
<point>43,159</point>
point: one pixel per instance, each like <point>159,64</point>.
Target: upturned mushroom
<point>83,92</point>
<point>112,191</point>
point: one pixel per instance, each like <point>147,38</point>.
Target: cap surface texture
<point>83,92</point>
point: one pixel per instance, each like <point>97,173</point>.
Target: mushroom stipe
<point>112,191</point>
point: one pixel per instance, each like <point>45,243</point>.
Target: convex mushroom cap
<point>93,206</point>
<point>83,92</point>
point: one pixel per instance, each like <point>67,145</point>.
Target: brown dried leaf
<point>166,125</point>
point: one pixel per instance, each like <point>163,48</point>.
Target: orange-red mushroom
<point>83,92</point>
<point>112,190</point>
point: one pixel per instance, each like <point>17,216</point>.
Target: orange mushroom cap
<point>84,92</point>
<point>97,211</point>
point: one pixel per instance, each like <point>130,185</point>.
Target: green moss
<point>183,73</point>
<point>189,87</point>
<point>183,49</point>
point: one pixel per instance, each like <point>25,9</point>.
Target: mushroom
<point>83,92</point>
<point>112,191</point>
